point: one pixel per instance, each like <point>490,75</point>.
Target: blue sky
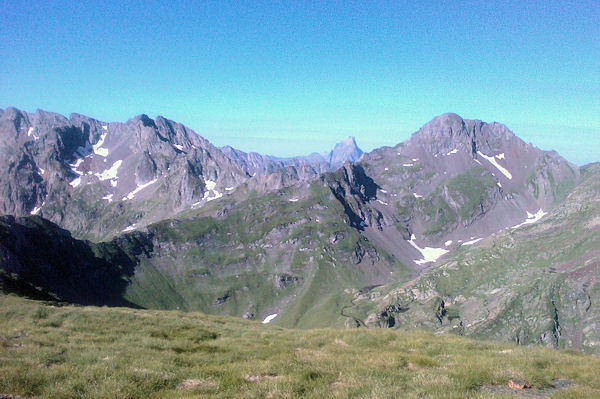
<point>289,78</point>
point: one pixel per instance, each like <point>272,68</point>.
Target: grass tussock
<point>90,352</point>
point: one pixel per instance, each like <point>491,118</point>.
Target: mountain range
<point>462,228</point>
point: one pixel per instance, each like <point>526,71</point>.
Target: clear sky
<point>289,78</point>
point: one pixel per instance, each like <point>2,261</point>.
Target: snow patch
<point>493,161</point>
<point>382,203</point>
<point>472,241</point>
<point>30,132</point>
<point>429,254</point>
<point>415,159</point>
<point>417,195</point>
<point>104,127</point>
<point>386,169</point>
<point>293,199</point>
<point>454,151</point>
<point>36,210</point>
<point>179,147</point>
<point>129,228</point>
<point>110,173</point>
<point>449,242</point>
<point>407,164</point>
<point>103,152</point>
<point>113,183</point>
<point>229,188</point>
<point>383,191</point>
<point>108,197</point>
<point>210,193</point>
<point>210,185</point>
<point>269,318</point>
<point>75,165</point>
<point>531,218</point>
<point>75,182</point>
<point>139,188</point>
<point>41,171</point>
<point>499,185</point>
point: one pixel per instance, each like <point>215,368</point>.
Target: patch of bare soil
<point>523,389</point>
<point>192,383</point>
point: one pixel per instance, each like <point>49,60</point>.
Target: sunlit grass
<point>90,352</point>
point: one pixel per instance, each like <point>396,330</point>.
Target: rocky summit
<point>463,228</point>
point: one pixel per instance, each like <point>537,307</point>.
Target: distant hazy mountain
<point>313,164</point>
<point>344,151</point>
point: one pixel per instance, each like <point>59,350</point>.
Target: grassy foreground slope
<point>89,352</point>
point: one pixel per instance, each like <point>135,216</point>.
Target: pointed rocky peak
<point>449,131</point>
<point>145,119</point>
<point>346,150</point>
<point>443,127</point>
<point>350,141</point>
<point>13,113</point>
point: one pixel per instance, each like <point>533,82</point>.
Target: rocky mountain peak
<point>450,131</point>
<point>346,150</point>
<point>145,119</point>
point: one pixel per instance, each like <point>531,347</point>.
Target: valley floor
<point>49,351</point>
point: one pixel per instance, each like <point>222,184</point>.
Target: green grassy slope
<point>290,252</point>
<point>88,352</point>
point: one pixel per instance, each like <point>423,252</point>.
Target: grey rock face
<point>96,178</point>
<point>453,181</point>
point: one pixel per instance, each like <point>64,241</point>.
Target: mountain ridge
<point>233,233</point>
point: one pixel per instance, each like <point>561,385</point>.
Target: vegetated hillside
<point>290,253</point>
<point>48,351</point>
<point>538,283</point>
<point>40,259</point>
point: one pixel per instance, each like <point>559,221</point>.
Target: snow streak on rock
<point>103,152</point>
<point>269,318</point>
<point>531,218</point>
<point>472,241</point>
<point>493,161</point>
<point>139,188</point>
